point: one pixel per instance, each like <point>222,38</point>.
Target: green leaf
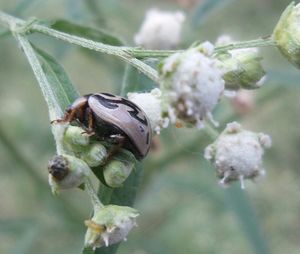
<point>135,81</point>
<point>94,34</point>
<point>239,203</point>
<point>207,8</point>
<point>60,83</point>
<point>88,250</point>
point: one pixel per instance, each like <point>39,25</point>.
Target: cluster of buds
<point>194,81</point>
<point>88,154</point>
<point>110,224</point>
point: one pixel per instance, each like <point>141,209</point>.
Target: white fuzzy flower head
<point>192,85</point>
<point>237,154</point>
<point>160,30</point>
<point>150,103</point>
<point>109,225</point>
<point>242,67</point>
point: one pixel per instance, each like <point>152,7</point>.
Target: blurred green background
<point>183,210</point>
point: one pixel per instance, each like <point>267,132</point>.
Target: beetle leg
<point>68,117</point>
<point>89,131</point>
<point>119,142</point>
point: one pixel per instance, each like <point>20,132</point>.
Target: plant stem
<point>93,195</point>
<point>149,53</point>
<point>261,42</point>
<point>55,112</point>
<point>127,54</point>
<point>121,52</point>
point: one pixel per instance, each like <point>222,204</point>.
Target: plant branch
<point>93,195</point>
<point>130,55</point>
<point>261,42</point>
<point>121,52</point>
<point>55,112</point>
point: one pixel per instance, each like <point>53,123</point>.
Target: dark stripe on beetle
<point>135,111</point>
<point>109,94</point>
<point>112,104</point>
<point>106,103</point>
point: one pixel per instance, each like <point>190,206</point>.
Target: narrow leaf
<point>94,34</point>
<point>59,81</point>
<point>238,201</point>
<point>54,84</point>
<point>135,81</point>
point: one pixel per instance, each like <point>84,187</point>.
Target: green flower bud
<point>242,69</point>
<point>287,34</point>
<point>109,225</point>
<point>94,155</point>
<point>75,136</point>
<point>66,172</point>
<point>117,169</point>
<point>79,143</point>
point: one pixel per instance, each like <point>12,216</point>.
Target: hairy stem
<point>123,53</point>
<point>93,195</point>
<point>127,54</point>
<point>55,112</point>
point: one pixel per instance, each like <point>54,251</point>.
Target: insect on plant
<point>105,137</point>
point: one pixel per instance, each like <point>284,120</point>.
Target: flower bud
<point>242,67</point>
<point>192,85</point>
<point>66,172</point>
<point>237,154</point>
<point>160,30</point>
<point>287,34</point>
<point>109,225</point>
<point>76,136</point>
<point>150,103</point>
<point>118,168</point>
<point>94,155</point>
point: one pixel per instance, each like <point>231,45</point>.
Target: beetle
<point>113,119</point>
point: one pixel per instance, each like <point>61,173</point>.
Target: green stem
<point>261,42</point>
<point>121,52</point>
<point>211,132</point>
<point>127,54</point>
<point>55,112</point>
<point>147,53</point>
<point>93,195</point>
